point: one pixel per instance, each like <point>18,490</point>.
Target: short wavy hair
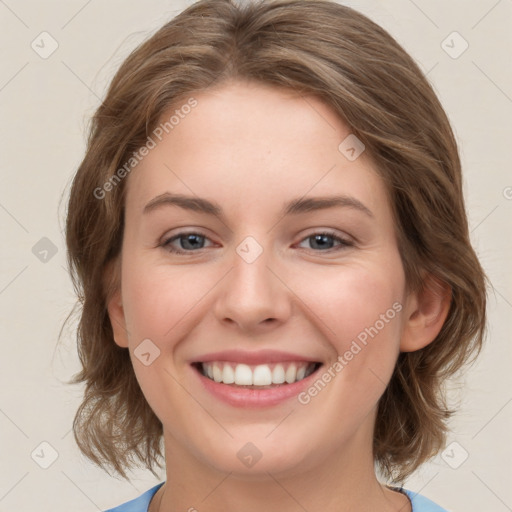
<point>315,47</point>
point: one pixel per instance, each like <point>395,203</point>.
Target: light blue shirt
<point>140,504</point>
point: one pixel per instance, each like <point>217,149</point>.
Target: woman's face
<point>294,267</point>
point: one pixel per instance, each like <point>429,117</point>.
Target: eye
<point>193,241</point>
<point>188,242</point>
<point>323,241</point>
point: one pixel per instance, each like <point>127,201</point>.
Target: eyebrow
<point>293,207</point>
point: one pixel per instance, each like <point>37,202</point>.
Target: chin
<point>248,459</point>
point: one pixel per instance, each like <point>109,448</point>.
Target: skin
<point>251,148</point>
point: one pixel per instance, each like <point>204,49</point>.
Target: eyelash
<point>166,244</point>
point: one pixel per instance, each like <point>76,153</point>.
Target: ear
<point>112,279</point>
<point>425,314</point>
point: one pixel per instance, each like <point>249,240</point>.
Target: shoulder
<point>422,504</point>
<point>139,504</point>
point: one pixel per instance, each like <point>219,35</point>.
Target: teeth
<point>262,376</point>
<point>259,375</point>
<point>300,373</point>
<point>278,374</point>
<point>228,375</point>
<point>291,374</point>
<point>243,375</point>
<point>217,373</point>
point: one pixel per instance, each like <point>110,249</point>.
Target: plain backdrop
<point>45,104</point>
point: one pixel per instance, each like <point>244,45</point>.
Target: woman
<point>269,236</point>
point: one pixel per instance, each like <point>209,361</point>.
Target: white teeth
<point>217,373</point>
<point>301,372</point>
<point>228,375</point>
<point>278,375</point>
<point>259,375</point>
<point>243,375</point>
<point>262,375</point>
<point>291,374</point>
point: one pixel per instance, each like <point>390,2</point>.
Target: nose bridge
<point>252,293</point>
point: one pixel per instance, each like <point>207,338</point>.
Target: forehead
<point>245,142</point>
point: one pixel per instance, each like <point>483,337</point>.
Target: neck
<point>339,483</point>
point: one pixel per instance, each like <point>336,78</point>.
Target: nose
<point>253,295</point>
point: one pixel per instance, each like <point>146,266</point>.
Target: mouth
<point>254,379</point>
<point>257,377</point>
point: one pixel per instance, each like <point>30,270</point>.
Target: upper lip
<point>255,357</point>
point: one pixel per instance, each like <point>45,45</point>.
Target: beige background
<point>45,105</point>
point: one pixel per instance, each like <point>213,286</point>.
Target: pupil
<point>322,239</point>
<point>192,238</point>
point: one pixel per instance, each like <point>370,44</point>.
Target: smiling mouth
<point>261,376</point>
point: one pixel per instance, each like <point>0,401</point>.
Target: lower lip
<point>251,397</point>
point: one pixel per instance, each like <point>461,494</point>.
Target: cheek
<point>361,321</point>
<point>358,310</point>
<point>160,305</point>
<point>157,300</point>
<point>350,300</point>
<point>341,301</point>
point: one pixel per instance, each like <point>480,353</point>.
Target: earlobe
<point>117,319</point>
<point>425,314</point>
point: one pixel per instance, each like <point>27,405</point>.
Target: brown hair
<point>315,47</point>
